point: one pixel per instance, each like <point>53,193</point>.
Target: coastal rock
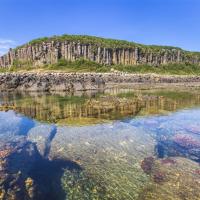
<point>70,82</point>
<point>50,82</point>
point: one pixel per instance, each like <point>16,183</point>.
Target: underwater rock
<point>4,153</point>
<point>181,144</point>
<point>30,187</point>
<point>159,177</point>
<point>169,161</point>
<point>197,171</point>
<point>173,182</point>
<point>147,164</point>
<point>78,185</point>
<point>186,141</point>
<point>42,135</point>
<point>195,129</point>
<point>110,155</point>
<point>16,161</point>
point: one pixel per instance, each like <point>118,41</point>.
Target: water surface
<point>117,144</point>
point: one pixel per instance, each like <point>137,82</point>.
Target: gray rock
<point>70,82</point>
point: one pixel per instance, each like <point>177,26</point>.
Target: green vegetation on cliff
<point>89,66</point>
<point>108,43</point>
<point>171,69</point>
<point>98,41</point>
<point>49,53</point>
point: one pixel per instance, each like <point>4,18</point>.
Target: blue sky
<point>162,22</point>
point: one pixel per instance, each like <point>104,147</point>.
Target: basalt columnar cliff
<point>44,51</point>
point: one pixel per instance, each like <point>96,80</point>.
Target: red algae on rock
<point>147,165</point>
<point>186,141</point>
<point>159,177</point>
<point>197,171</point>
<point>173,182</point>
<point>168,161</point>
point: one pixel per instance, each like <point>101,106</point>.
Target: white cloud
<point>5,45</point>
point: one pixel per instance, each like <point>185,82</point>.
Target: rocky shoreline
<point>69,82</point>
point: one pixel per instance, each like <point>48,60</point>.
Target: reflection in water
<point>121,144</point>
<point>93,108</point>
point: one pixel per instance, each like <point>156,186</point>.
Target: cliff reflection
<point>93,108</point>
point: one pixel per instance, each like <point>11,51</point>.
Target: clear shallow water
<point>120,144</point>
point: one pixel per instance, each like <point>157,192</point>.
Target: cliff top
<point>103,42</point>
<point>99,41</point>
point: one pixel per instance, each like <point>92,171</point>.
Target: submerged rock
<point>147,164</point>
<point>16,161</point>
<point>187,141</point>
<point>175,181</point>
<point>181,144</point>
<point>42,135</point>
<point>110,155</point>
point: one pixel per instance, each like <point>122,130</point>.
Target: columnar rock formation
<point>103,51</point>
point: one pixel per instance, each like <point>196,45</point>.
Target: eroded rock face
<point>39,54</point>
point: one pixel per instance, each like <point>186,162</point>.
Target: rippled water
<point>117,144</point>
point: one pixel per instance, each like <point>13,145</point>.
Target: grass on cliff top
<point>109,43</point>
<point>98,41</point>
<point>88,66</point>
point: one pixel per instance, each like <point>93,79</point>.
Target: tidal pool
<point>117,144</point>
